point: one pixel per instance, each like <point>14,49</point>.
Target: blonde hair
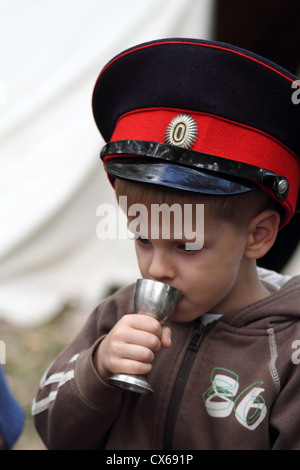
<point>238,209</point>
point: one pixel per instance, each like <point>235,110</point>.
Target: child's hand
<point>130,346</point>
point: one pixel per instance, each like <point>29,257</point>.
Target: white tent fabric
<point>51,180</point>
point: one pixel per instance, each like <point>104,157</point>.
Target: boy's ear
<point>262,233</point>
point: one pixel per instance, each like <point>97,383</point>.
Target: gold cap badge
<point>182,131</point>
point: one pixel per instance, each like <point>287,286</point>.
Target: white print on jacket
<point>58,380</point>
<point>221,399</point>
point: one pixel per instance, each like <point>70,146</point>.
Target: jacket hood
<point>283,305</point>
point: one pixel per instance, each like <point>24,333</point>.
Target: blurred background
<point>53,267</point>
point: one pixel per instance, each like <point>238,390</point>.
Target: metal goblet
<point>157,299</point>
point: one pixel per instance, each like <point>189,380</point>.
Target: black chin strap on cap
<point>193,159</point>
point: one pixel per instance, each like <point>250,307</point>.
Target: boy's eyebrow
<point>185,241</point>
<point>135,234</point>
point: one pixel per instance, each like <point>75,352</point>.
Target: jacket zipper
<point>180,383</point>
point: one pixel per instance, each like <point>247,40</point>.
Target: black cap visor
<point>177,177</point>
<point>186,169</point>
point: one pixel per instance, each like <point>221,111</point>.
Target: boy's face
<point>208,276</point>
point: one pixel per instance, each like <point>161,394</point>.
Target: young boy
<point>191,122</point>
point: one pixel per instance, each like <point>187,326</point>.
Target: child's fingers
<point>133,352</point>
<point>166,338</point>
<point>131,345</point>
<point>127,366</point>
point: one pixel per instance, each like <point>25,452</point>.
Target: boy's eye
<point>143,241</point>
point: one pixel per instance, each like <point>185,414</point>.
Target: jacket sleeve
<point>74,408</point>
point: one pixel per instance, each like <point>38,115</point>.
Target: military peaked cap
<point>201,116</point>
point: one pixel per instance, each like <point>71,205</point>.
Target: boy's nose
<point>161,267</point>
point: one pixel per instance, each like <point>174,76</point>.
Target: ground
<point>29,351</point>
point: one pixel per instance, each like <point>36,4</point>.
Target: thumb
<point>166,337</point>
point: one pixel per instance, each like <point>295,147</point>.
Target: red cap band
<point>219,137</point>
